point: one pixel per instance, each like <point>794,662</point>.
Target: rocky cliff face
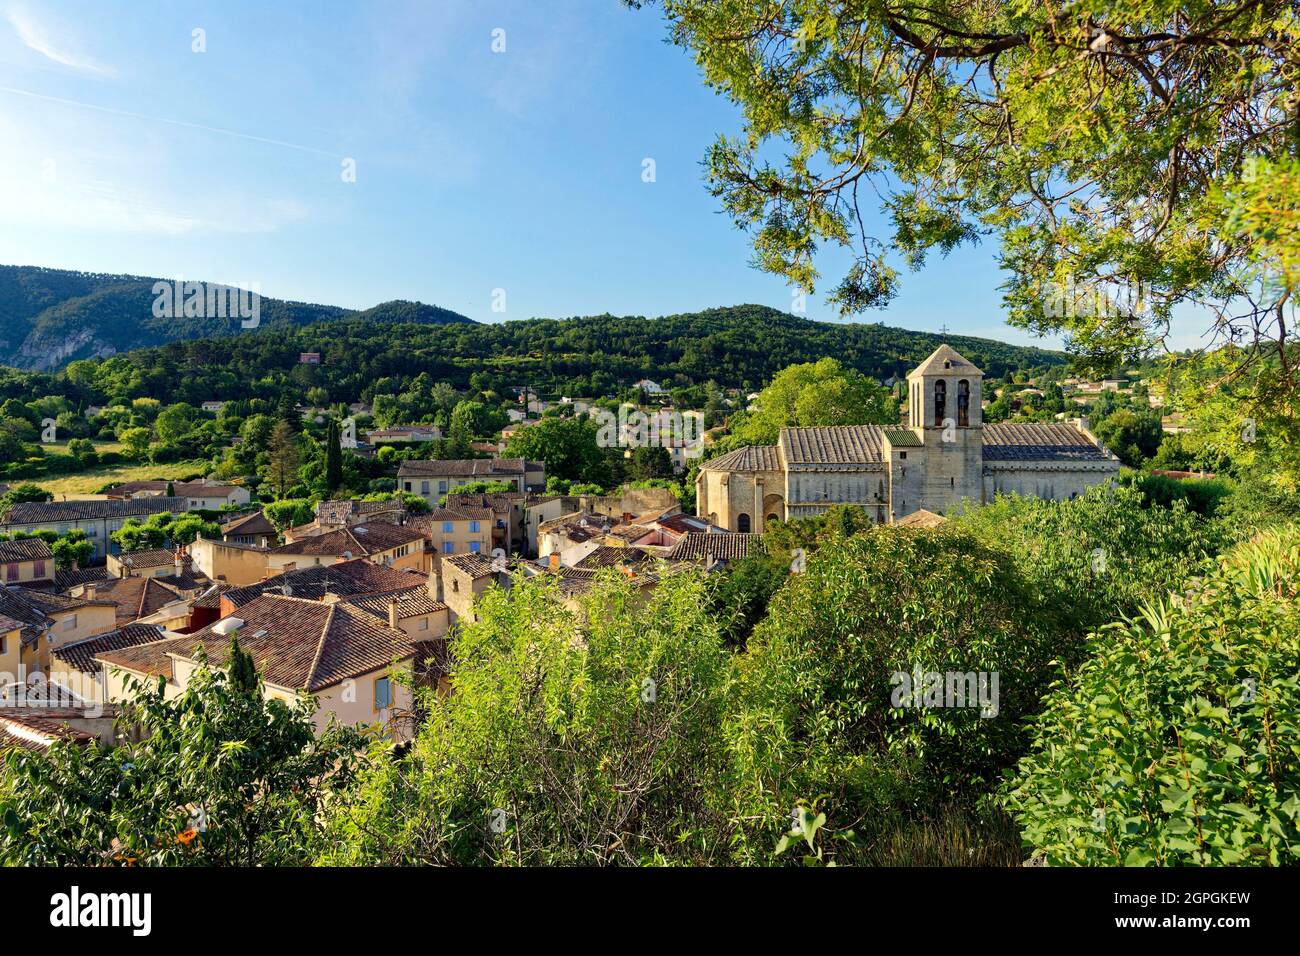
<point>41,352</point>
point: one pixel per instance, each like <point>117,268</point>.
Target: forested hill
<point>49,317</point>
<point>742,346</point>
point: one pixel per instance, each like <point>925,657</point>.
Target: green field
<point>85,483</point>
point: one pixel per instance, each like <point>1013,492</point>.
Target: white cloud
<point>37,38</point>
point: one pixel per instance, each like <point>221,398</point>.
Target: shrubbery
<point>1175,743</point>
<point>222,777</point>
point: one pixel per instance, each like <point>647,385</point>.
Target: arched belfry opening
<point>940,401</point>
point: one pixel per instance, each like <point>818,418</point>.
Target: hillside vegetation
<point>49,317</point>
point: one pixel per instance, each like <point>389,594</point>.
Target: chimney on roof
<point>431,585</point>
<point>88,592</point>
<point>178,561</point>
<point>554,560</point>
<point>393,615</point>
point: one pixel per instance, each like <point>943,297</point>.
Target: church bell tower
<point>944,396</point>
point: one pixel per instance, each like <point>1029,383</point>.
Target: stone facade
<point>943,456</point>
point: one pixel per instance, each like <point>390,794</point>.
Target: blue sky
<point>126,151</point>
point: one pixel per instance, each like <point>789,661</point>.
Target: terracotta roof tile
<point>845,446</point>
<point>1054,441</point>
<point>749,458</point>
<point>346,578</point>
<point>359,540</point>
<point>297,644</point>
<point>725,546</point>
<point>81,655</point>
<point>44,512</point>
<point>25,549</point>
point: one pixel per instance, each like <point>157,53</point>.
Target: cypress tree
<point>333,458</point>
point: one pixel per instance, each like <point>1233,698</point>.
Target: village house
<point>50,621</point>
<point>67,579</point>
<point>98,519</point>
<point>943,456</point>
<point>324,582</point>
<point>541,509</point>
<point>345,512</point>
<point>11,653</point>
<point>151,563</point>
<point>164,600</point>
<point>379,541</point>
<point>255,529</point>
<point>412,610</point>
<point>716,549</point>
<point>570,538</point>
<point>229,561</point>
<point>433,479</point>
<point>409,434</point>
<point>202,494</point>
<point>28,562</point>
<point>455,530</point>
<point>340,655</point>
<point>75,667</point>
<point>507,509</point>
<point>463,577</point>
<point>38,727</point>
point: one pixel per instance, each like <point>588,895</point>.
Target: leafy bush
<point>1201,495</point>
<point>820,714</point>
<point>222,776</point>
<point>1175,743</point>
<point>586,738</point>
<point>1100,555</point>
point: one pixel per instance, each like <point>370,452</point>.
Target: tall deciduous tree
<point>282,467</point>
<point>1131,156</point>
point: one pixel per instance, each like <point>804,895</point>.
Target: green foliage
<point>72,549</point>
<point>834,524</point>
<point>1133,436</point>
<point>187,528</point>
<point>22,493</point>
<point>818,673</point>
<point>1202,496</point>
<point>241,671</point>
<point>333,458</point>
<point>289,513</point>
<point>1038,125</point>
<point>477,488</point>
<point>820,393</point>
<point>1174,742</point>
<point>569,740</point>
<point>1100,555</point>
<point>221,777</point>
<point>567,445</point>
<point>136,535</point>
<point>742,593</point>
